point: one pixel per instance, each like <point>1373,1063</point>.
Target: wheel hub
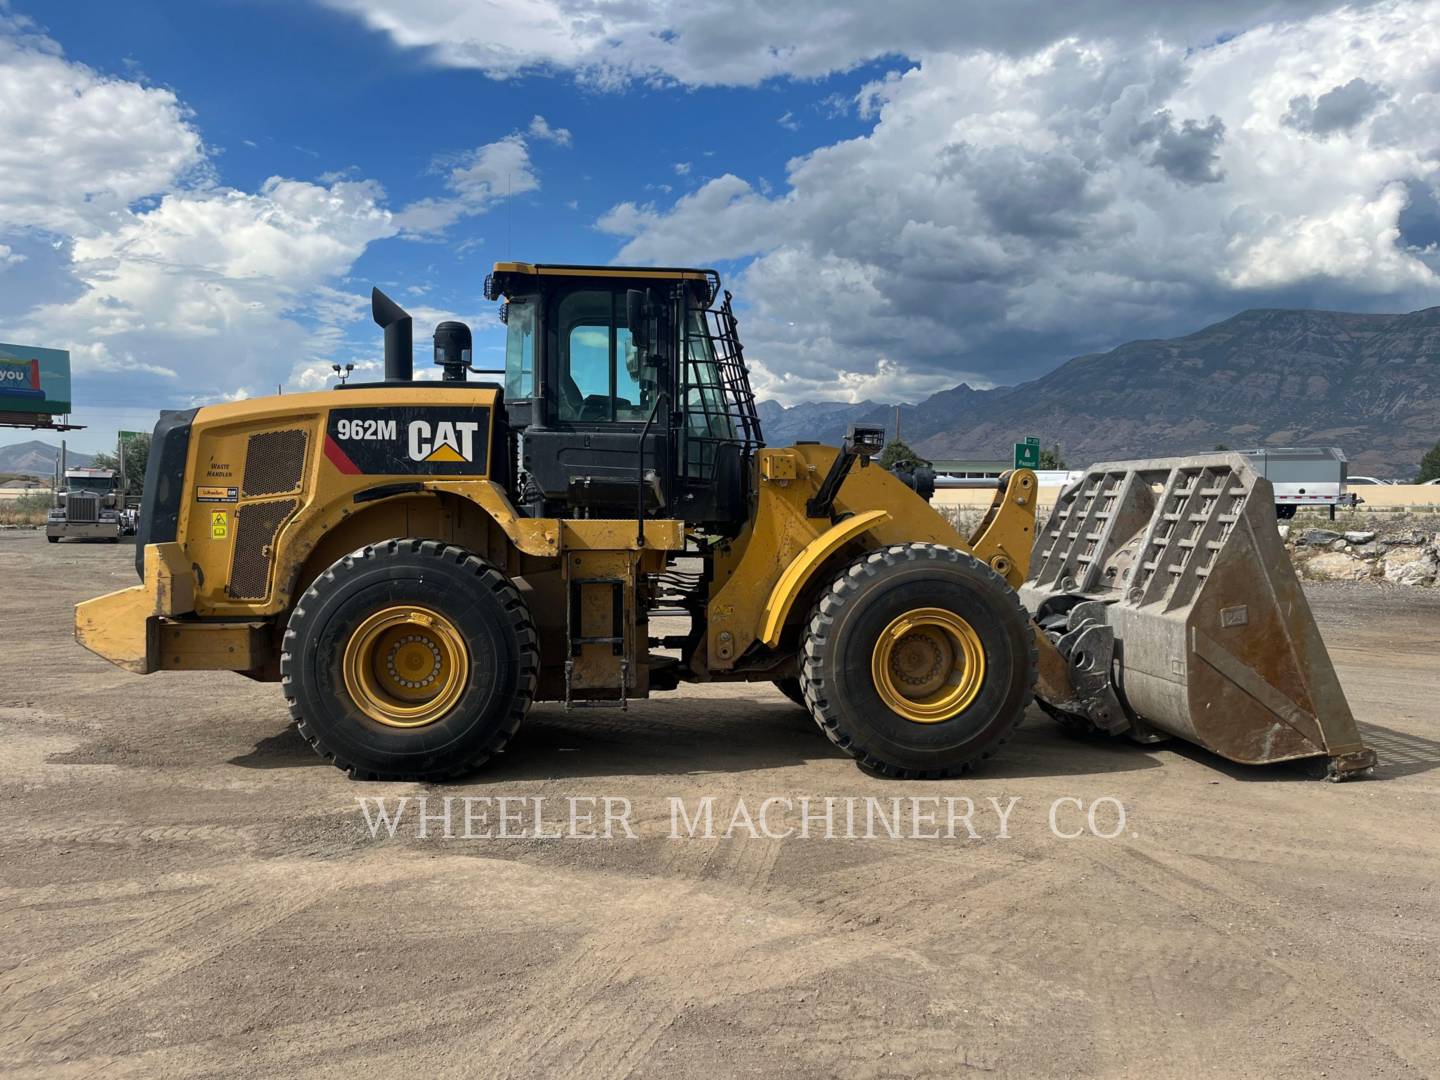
<point>406,666</point>
<point>928,665</point>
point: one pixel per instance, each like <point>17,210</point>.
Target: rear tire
<point>792,689</point>
<point>53,539</point>
<point>927,620</point>
<point>358,672</point>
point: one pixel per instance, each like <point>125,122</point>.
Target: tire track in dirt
<point>605,1005</point>
<point>46,1001</point>
<point>284,1051</point>
<point>1231,906</point>
<point>123,834</point>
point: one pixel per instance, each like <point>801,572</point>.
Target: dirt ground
<point>186,889</point>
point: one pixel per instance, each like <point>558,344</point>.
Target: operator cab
<point>626,392</point>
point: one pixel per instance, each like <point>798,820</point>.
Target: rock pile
<point>1398,554</point>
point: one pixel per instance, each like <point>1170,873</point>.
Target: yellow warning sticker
<point>219,524</point>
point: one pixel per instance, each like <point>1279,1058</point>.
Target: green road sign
<point>1027,454</point>
<point>1032,440</point>
<point>126,436</point>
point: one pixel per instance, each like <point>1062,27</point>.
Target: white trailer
<point>1304,476</point>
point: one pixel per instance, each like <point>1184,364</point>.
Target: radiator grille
<point>82,508</point>
<point>274,462</point>
<point>255,529</point>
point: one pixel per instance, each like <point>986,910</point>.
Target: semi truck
<point>89,505</point>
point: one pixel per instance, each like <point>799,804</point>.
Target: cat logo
<point>445,441</point>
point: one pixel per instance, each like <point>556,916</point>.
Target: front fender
<point>793,580</point>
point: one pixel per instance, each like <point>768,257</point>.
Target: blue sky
<point>198,195</point>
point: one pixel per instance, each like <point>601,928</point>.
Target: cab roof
<point>504,274</point>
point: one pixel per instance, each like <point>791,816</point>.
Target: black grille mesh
<point>255,529</point>
<point>274,462</point>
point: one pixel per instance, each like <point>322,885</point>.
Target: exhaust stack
<point>399,337</point>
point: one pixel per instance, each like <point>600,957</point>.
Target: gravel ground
<point>186,890</point>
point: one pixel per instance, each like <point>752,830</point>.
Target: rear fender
<point>476,514</point>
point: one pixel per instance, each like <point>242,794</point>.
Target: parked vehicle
<point>1306,476</point>
<point>89,506</point>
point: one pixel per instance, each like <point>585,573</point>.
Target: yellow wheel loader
<point>418,561</point>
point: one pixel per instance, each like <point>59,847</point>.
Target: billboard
<point>34,380</point>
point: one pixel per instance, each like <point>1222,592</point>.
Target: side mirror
<point>637,318</point>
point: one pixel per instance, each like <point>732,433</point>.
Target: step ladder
<point>576,641</point>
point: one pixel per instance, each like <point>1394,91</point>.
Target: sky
<point>196,195</point>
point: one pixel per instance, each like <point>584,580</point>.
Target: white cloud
<point>748,41</point>
<point>478,178</point>
<point>78,147</point>
<point>163,283</point>
<point>1007,211</point>
<point>682,168</point>
<point>208,284</point>
<point>540,129</point>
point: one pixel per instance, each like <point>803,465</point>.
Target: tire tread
<point>490,578</point>
<point>818,638</point>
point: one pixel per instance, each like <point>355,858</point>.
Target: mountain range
<point>36,458</point>
<point>1369,384</point>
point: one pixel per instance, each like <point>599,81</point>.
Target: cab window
<point>520,348</point>
<point>600,379</point>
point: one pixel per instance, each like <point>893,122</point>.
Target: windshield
<point>602,378</point>
<point>89,483</point>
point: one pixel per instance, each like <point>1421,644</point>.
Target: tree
<point>898,453</point>
<point>1051,458</point>
<point>137,455</point>
<point>1220,448</point>
<point>1430,465</point>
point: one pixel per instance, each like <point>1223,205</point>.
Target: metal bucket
<point>1165,592</point>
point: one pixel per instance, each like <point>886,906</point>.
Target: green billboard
<point>34,380</point>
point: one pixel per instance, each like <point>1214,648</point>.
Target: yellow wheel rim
<point>406,666</point>
<point>928,665</point>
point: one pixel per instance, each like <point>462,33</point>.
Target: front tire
<point>919,661</point>
<point>409,660</point>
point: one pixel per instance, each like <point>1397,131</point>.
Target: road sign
<point>126,436</point>
<point>1032,440</point>
<point>1027,454</point>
